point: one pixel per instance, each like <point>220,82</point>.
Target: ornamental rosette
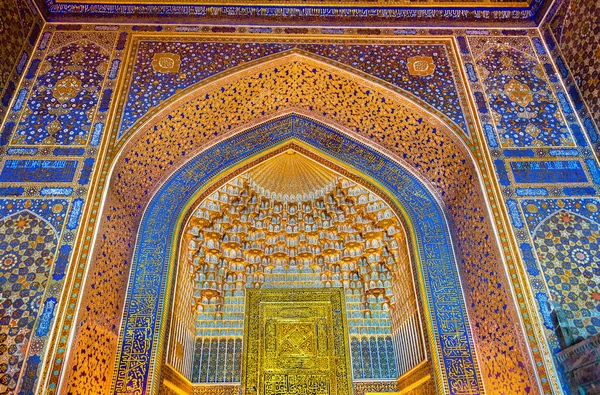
<point>66,89</point>
<point>421,66</point>
<point>518,93</point>
<point>166,62</point>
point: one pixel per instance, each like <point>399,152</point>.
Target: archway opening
<point>294,220</point>
<point>150,291</point>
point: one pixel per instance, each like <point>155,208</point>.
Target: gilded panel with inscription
<point>296,342</point>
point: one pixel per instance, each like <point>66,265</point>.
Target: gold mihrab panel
<point>296,343</point>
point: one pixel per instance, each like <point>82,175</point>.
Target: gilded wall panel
<point>65,98</point>
<point>523,107</point>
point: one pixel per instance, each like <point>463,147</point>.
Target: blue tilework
<point>566,239</point>
<point>251,14</point>
<point>148,278</point>
<point>551,172</point>
<point>29,233</point>
<point>526,111</point>
<point>38,171</point>
<point>62,103</point>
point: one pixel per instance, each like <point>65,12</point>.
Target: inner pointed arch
<point>33,214</point>
<point>433,243</point>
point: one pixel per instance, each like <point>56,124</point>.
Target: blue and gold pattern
<point>20,27</point>
<point>432,150</point>
<point>566,237</point>
<point>543,191</point>
<point>148,284</point>
<point>64,100</point>
<point>401,12</point>
<point>49,177</point>
<point>573,41</point>
<point>29,234</point>
<point>524,109</point>
<point>533,178</point>
<point>149,86</point>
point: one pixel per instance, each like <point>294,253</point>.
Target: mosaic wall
<point>228,351</point>
<point>30,230</point>
<point>47,153</point>
<point>523,108</point>
<point>142,320</point>
<point>547,175</point>
<point>229,98</point>
<point>151,84</point>
<point>20,28</point>
<point>538,175</point>
<point>572,35</point>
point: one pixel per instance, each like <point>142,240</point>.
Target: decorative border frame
<point>144,324</point>
<point>110,147</point>
<point>524,13</point>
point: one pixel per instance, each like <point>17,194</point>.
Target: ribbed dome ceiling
<point>293,175</point>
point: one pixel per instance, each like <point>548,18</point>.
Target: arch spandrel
<point>387,74</point>
<point>363,110</point>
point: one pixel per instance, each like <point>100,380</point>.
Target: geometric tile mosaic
<point>567,247</point>
<point>506,73</point>
<point>144,293</point>
<point>575,30</point>
<point>27,245</point>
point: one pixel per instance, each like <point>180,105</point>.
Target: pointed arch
<point>157,242</point>
<point>39,217</point>
<point>554,213</point>
<point>380,121</point>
